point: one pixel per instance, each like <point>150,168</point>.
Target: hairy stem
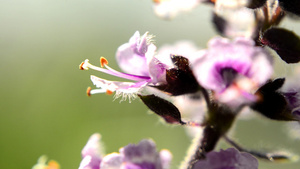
<point>218,122</point>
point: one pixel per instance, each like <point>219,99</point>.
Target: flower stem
<point>219,121</point>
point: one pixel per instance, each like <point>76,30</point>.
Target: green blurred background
<point>44,107</point>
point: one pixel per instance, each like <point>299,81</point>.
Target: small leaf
<point>292,6</point>
<point>163,108</point>
<point>286,43</point>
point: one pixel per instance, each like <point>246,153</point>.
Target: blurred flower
<point>293,100</point>
<point>235,22</point>
<point>42,164</point>
<point>92,153</point>
<point>137,59</point>
<point>185,48</point>
<point>291,92</point>
<point>140,156</point>
<point>168,9</point>
<point>233,4</point>
<point>233,70</point>
<point>227,159</point>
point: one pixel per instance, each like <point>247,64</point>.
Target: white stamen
<point>96,91</point>
<point>124,90</point>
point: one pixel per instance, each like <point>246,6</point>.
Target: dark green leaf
<point>163,108</point>
<point>286,43</point>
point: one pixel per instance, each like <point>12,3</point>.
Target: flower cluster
<point>144,156</point>
<point>204,89</point>
<point>231,70</point>
<point>140,156</point>
<point>230,158</point>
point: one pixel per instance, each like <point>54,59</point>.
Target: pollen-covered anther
<point>81,66</point>
<point>88,91</point>
<point>103,61</point>
<point>109,92</point>
<point>84,65</point>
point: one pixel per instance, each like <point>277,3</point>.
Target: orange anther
<point>88,91</point>
<point>81,66</point>
<point>103,61</point>
<point>109,92</point>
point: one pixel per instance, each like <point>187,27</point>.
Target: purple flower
<point>293,100</point>
<point>91,153</point>
<point>140,156</point>
<point>136,58</point>
<point>227,159</point>
<point>235,22</point>
<point>233,70</point>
